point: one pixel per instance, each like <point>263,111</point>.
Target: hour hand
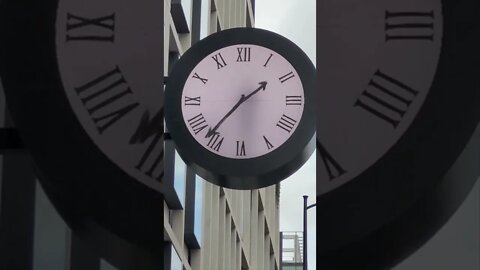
<point>211,132</point>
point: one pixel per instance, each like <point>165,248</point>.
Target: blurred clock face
<point>242,101</point>
<point>376,63</point>
<point>109,54</point>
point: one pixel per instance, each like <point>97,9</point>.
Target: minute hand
<point>243,98</point>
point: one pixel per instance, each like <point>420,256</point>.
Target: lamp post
<point>305,208</point>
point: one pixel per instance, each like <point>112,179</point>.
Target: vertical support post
<point>17,209</point>
<point>305,208</point>
<point>281,250</point>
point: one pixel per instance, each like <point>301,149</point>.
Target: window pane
<point>198,219</point>
<point>180,178</point>
<point>176,263</point>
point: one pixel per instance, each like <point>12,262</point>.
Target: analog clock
<point>397,102</point>
<point>84,81</point>
<point>239,107</point>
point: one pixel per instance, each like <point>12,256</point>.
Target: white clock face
<point>242,101</point>
<point>374,84</point>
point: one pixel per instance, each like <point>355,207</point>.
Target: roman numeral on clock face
<point>203,80</point>
<point>386,98</point>
<point>267,142</point>
<point>215,142</point>
<point>268,60</point>
<point>243,54</point>
<point>286,77</point>
<point>189,101</point>
<point>107,99</point>
<point>334,169</point>
<point>241,148</point>
<point>99,29</point>
<point>150,162</point>
<point>218,58</point>
<point>286,123</point>
<point>409,25</point>
<point>293,100</point>
<point>197,123</point>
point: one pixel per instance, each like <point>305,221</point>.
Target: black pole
<point>305,207</point>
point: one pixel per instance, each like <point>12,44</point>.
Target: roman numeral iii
<point>101,29</point>
<point>409,26</point>
<point>107,99</point>
<point>386,98</point>
<point>293,100</point>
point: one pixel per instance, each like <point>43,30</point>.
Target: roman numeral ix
<point>386,98</point>
<point>99,29</point>
<point>334,169</point>
<point>409,25</point>
<point>107,99</point>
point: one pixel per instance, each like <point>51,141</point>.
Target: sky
<point>282,17</point>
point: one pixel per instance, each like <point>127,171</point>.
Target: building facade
<point>208,227</point>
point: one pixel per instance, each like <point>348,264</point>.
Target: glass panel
<point>204,17</point>
<point>50,239</point>
<point>176,262</point>
<point>104,265</point>
<point>198,218</point>
<point>180,178</point>
<point>187,9</point>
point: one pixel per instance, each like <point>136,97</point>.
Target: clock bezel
<point>254,172</point>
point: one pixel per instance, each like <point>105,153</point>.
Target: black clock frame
<point>251,173</point>
<point>87,189</point>
<point>377,219</point>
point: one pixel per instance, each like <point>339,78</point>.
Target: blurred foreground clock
<point>240,108</point>
<point>83,82</point>
<point>398,100</point>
